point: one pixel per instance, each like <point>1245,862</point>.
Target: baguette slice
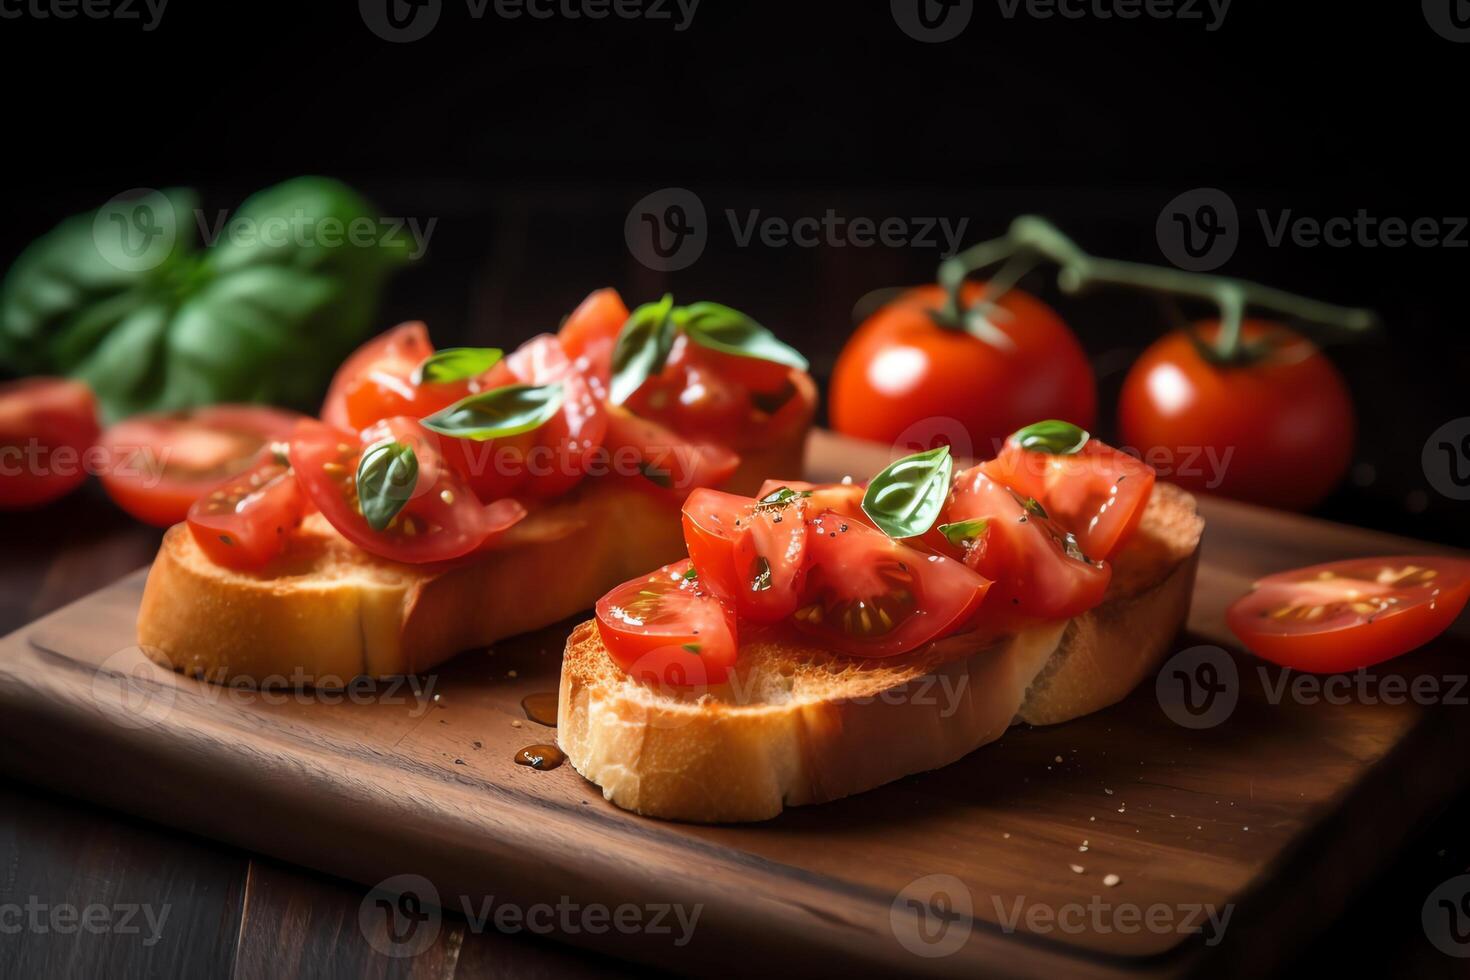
<point>797,724</point>
<point>326,611</point>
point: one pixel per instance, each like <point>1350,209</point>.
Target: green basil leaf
<point>642,348</point>
<point>905,499</point>
<point>1052,436</point>
<point>456,364</point>
<point>732,332</point>
<point>961,533</point>
<point>386,476</point>
<point>127,299</point>
<point>498,413</point>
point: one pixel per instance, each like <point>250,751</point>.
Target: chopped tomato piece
<point>156,466</point>
<point>871,596</point>
<point>749,553</point>
<point>590,332</point>
<point>46,425</point>
<point>441,519</point>
<point>1350,614</point>
<point>1038,569</point>
<point>1098,493</point>
<point>376,381</point>
<point>663,459</point>
<point>243,523</point>
<point>667,628</point>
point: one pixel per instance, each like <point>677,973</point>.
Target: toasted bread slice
<point>797,725</point>
<point>326,611</point>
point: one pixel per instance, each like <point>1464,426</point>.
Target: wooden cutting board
<point>1271,813</point>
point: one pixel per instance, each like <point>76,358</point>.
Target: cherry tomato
<point>1350,614</point>
<point>155,466</point>
<point>665,461</point>
<point>749,553</point>
<point>1097,493</point>
<point>589,333</point>
<point>902,368</point>
<point>1277,431</point>
<point>46,425</point>
<point>697,393</point>
<point>1037,568</point>
<point>666,628</point>
<point>442,518</point>
<point>871,596</point>
<point>243,522</point>
<point>376,381</point>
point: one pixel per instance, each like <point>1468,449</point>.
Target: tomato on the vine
<point>1276,428</point>
<point>902,367</point>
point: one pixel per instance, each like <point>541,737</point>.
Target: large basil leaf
<point>729,331</point>
<point>905,499</point>
<point>128,300</point>
<point>642,348</point>
<point>498,413</point>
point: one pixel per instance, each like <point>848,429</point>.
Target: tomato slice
<point>658,458</point>
<point>666,628</point>
<point>442,519</point>
<point>1344,615</point>
<point>1038,570</point>
<point>871,596</point>
<point>590,332</point>
<point>751,553</point>
<point>155,466</point>
<point>1098,493</point>
<point>46,425</point>
<point>243,523</point>
<point>376,381</point>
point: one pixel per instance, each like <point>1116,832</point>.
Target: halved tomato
<point>751,553</point>
<point>1344,615</point>
<point>667,628</point>
<point>590,332</point>
<point>1038,569</point>
<point>155,466</point>
<point>871,596</point>
<point>46,426</point>
<point>376,381</point>
<point>442,517</point>
<point>1097,493</point>
<point>659,458</point>
<point>698,395</point>
<point>243,523</point>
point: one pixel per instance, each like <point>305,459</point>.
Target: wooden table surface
<point>234,914</point>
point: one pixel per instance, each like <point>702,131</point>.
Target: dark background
<point>529,140</point>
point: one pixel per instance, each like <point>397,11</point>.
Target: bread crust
<point>801,725</point>
<point>326,611</point>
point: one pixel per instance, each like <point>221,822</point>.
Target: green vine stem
<point>1031,239</point>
